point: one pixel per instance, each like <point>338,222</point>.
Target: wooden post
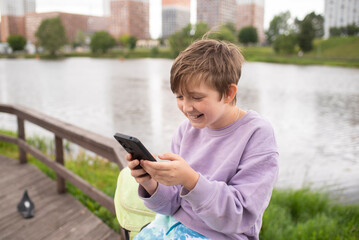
<point>21,135</point>
<point>59,149</point>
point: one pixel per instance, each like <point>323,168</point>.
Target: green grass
<point>332,52</point>
<point>306,215</point>
<point>338,47</point>
<point>291,214</point>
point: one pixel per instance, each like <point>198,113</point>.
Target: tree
<point>352,29</point>
<point>317,22</point>
<point>335,32</point>
<point>128,41</point>
<point>308,29</point>
<point>16,42</point>
<point>225,33</point>
<point>279,25</point>
<point>51,35</point>
<point>102,41</point>
<point>248,35</point>
<point>349,30</point>
<point>285,43</point>
<point>306,36</point>
<point>182,39</point>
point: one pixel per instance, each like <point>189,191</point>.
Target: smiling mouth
<point>194,117</point>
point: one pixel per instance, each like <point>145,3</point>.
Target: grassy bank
<point>332,52</point>
<point>300,214</point>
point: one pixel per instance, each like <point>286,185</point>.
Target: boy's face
<point>203,107</point>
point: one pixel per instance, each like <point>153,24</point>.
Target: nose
<point>187,106</point>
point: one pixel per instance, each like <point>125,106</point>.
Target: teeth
<point>194,116</point>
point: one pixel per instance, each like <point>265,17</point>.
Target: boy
<point>223,166</point>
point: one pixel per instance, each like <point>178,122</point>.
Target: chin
<point>198,126</point>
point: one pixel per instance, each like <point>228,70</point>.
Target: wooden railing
<point>105,147</point>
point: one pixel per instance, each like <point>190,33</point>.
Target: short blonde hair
<point>213,62</point>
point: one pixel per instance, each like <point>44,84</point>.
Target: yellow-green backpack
<point>131,212</point>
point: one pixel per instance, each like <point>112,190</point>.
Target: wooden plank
<point>9,139</point>
<point>101,233</point>
<point>77,218</point>
<point>7,108</point>
<point>78,230</point>
<point>8,180</point>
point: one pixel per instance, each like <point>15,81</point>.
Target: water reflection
<point>313,109</point>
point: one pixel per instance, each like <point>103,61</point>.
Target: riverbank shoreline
<point>251,54</point>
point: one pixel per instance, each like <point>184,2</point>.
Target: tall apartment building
<point>130,17</point>
<point>251,13</point>
<point>216,12</point>
<point>340,13</point>
<point>13,16</point>
<point>175,16</point>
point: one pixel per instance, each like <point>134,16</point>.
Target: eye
<point>179,97</point>
<point>197,98</point>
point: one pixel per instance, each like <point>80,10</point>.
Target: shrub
<point>248,35</point>
<point>16,42</point>
<point>285,44</point>
<point>102,41</point>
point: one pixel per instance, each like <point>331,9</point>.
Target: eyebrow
<point>197,93</point>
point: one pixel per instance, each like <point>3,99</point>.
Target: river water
<point>313,109</point>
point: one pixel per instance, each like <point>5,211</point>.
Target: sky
<point>297,8</point>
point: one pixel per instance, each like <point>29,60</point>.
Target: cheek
<point>180,105</point>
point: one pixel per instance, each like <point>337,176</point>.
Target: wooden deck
<point>57,216</point>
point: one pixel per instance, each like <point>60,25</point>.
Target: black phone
<point>134,146</point>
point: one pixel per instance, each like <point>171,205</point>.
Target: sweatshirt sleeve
<point>166,200</point>
<point>234,207</point>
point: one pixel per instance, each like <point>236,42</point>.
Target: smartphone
<point>134,146</point>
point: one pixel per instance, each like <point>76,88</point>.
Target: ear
<point>232,91</point>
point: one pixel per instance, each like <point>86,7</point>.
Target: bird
<point>26,207</point>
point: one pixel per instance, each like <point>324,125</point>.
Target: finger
<point>143,179</point>
<point>150,166</point>
<point>128,157</point>
<point>156,168</point>
<point>138,173</point>
<point>133,164</point>
<point>169,156</point>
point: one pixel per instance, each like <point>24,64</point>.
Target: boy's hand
<point>140,175</point>
<point>175,172</point>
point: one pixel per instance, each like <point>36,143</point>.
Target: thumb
<point>169,156</point>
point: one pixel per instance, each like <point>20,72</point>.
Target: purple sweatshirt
<point>238,168</point>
